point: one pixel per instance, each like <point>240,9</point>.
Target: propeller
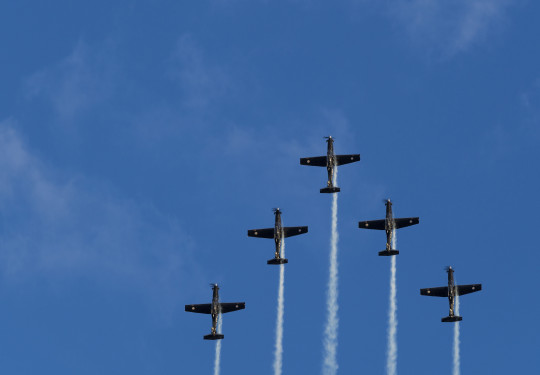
<point>275,209</point>
<point>448,268</point>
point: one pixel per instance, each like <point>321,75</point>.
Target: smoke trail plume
<point>330,365</point>
<point>278,351</point>
<point>218,346</point>
<point>457,359</point>
<point>391,354</point>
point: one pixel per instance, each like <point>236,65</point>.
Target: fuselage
<point>278,232</point>
<point>215,307</point>
<point>330,161</point>
<point>330,156</point>
<point>389,224</point>
<point>451,290</point>
<point>215,299</point>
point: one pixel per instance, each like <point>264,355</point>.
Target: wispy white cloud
<point>199,80</point>
<point>55,227</point>
<point>449,27</point>
<point>94,81</point>
<point>501,138</point>
<point>85,78</point>
<point>530,102</point>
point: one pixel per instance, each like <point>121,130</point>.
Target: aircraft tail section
<point>217,336</point>
<point>333,189</point>
<point>453,318</point>
<point>386,253</point>
<point>277,261</point>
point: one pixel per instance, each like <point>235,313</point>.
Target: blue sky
<point>140,140</point>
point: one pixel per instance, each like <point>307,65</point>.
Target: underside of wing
<point>372,224</point>
<point>441,291</point>
<point>466,289</point>
<point>317,161</point>
<point>261,233</point>
<point>406,221</point>
<point>232,306</point>
<point>294,231</point>
<point>346,159</point>
<point>205,308</point>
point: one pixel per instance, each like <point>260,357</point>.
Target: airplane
<point>389,224</point>
<point>451,291</point>
<point>277,233</point>
<point>330,161</point>
<point>215,308</point>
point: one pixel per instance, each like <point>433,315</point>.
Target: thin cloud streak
<point>62,228</point>
<point>449,27</point>
<point>86,78</point>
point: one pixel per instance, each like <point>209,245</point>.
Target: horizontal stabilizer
<point>387,253</point>
<point>277,261</point>
<point>333,189</point>
<point>217,336</point>
<point>454,318</point>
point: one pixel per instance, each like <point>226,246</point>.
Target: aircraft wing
<point>406,221</point>
<point>231,306</point>
<point>466,289</point>
<point>261,233</point>
<point>435,292</point>
<point>317,161</point>
<point>346,159</point>
<point>204,308</point>
<point>372,224</point>
<point>294,231</point>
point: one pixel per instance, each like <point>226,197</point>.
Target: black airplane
<point>330,161</point>
<point>451,291</point>
<point>215,308</point>
<point>389,224</point>
<point>277,233</point>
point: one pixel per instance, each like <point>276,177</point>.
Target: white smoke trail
<point>394,239</point>
<point>330,365</point>
<point>391,354</point>
<point>278,351</point>
<point>218,346</point>
<point>457,359</point>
